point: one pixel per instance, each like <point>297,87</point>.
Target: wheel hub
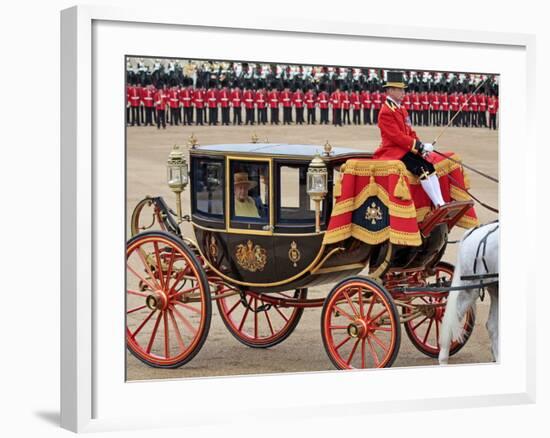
<point>357,329</point>
<point>157,301</point>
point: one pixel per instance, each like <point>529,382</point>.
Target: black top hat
<point>395,80</point>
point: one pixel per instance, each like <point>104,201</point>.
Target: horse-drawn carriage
<point>313,216</point>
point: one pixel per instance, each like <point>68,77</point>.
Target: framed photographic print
<point>273,212</point>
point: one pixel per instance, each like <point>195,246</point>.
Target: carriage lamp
<point>192,141</point>
<point>178,175</point>
<point>317,186</point>
<point>328,149</point>
<point>255,138</point>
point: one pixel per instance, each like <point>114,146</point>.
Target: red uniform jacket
<point>444,102</point>
<point>273,98</point>
<point>298,99</point>
<point>160,100</point>
<point>406,102</point>
<point>474,105</point>
<point>435,101</point>
<point>212,98</point>
<point>492,104</point>
<point>425,101</point>
<point>345,100</point>
<point>454,101</point>
<point>376,100</point>
<point>310,99</point>
<point>462,100</point>
<point>173,98</point>
<point>286,98</point>
<point>336,100</point>
<point>224,97</point>
<point>323,100</point>
<point>366,99</point>
<point>147,97</point>
<point>261,99</point>
<point>355,99</point>
<point>236,98</point>
<point>186,97</point>
<point>415,99</point>
<point>198,98</point>
<point>248,97</point>
<point>134,96</point>
<point>482,101</point>
<point>398,137</point>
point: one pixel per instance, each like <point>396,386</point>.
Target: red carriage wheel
<point>360,325</point>
<point>168,304</point>
<point>256,323</point>
<point>423,330</point>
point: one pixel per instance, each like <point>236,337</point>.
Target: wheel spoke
<point>281,313</point>
<point>169,270</point>
<point>135,310</point>
<point>379,342</point>
<point>145,321</point>
<point>363,353</point>
<point>343,313</point>
<point>154,334</point>
<point>135,292</point>
<point>183,292</point>
<point>166,338</point>
<point>185,322</point>
<point>371,305</point>
<point>342,343</point>
<point>245,315</point>
<point>351,304</point>
<point>378,315</point>
<point>437,332</point>
<point>140,277</point>
<point>188,307</point>
<point>159,266</point>
<point>268,320</point>
<point>416,326</point>
<point>177,330</point>
<point>255,318</point>
<point>338,327</point>
<point>428,331</point>
<point>350,357</point>
<point>147,267</point>
<point>373,353</point>
<point>178,278</point>
<point>234,307</point>
<point>361,310</point>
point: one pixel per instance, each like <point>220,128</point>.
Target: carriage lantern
<point>317,186</point>
<point>178,175</point>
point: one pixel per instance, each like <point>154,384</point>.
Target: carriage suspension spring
<point>264,307</point>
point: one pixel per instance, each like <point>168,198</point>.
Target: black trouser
<point>141,114</point>
<point>299,115</point>
<point>274,116</point>
<point>492,121</point>
<point>455,120</point>
<point>417,117</point>
<point>356,117</point>
<point>345,113</point>
<point>249,116</point>
<point>262,116</point>
<point>225,115</point>
<point>212,116</point>
<point>188,112</point>
<point>287,115</point>
<point>311,116</point>
<point>200,120</point>
<point>161,119</point>
<point>375,116</point>
<point>426,119</point>
<point>366,116</point>
<point>128,115</point>
<point>417,165</point>
<point>466,118</point>
<point>174,116</point>
<point>337,116</point>
<point>483,118</point>
<point>148,116</point>
<point>474,118</point>
<point>445,117</point>
<point>135,116</point>
<point>237,115</point>
<point>324,116</point>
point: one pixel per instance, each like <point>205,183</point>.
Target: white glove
<point>427,148</point>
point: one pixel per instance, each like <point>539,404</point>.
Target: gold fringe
<point>373,187</point>
<point>372,237</point>
<point>466,180</point>
<point>401,190</point>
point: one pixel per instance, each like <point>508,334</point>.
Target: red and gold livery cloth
<point>379,200</point>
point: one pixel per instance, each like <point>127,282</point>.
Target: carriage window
<point>295,204</point>
<point>250,191</point>
<point>208,187</point>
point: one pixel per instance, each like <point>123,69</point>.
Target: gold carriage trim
<point>251,257</point>
<point>372,237</point>
<point>374,189</point>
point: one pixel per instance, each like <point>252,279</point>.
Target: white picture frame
<point>94,397</point>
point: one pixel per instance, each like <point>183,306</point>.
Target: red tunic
<point>298,99</point>
<point>310,99</point>
<point>482,101</point>
<point>492,104</point>
<point>444,102</point>
<point>261,99</point>
<point>134,96</point>
<point>212,98</point>
<point>376,100</point>
<point>474,105</point>
<point>323,100</point>
<point>415,99</point>
<point>273,98</point>
<point>398,137</point>
<point>198,98</point>
<point>406,102</point>
<point>425,101</point>
<point>173,98</point>
<point>336,100</point>
<point>355,101</point>
<point>366,99</point>
<point>345,100</point>
<point>248,97</point>
<point>286,98</point>
<point>236,98</point>
<point>435,101</point>
<point>160,100</point>
<point>454,102</point>
<point>147,97</point>
<point>186,97</point>
<point>224,97</point>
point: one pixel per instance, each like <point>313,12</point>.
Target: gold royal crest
<point>251,257</point>
<point>294,253</point>
<point>213,248</point>
<point>373,214</point>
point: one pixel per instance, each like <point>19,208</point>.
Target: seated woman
<point>245,206</point>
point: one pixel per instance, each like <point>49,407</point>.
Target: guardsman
<point>492,106</point>
<point>286,99</point>
<point>376,105</point>
<point>128,112</point>
<point>425,101</point>
<point>134,96</point>
<point>186,100</point>
<point>261,104</point>
<point>311,101</point>
<point>273,99</point>
<point>435,107</point>
<point>160,105</point>
<point>298,98</point>
<point>174,103</point>
<point>323,100</point>
<point>224,99</point>
<point>454,104</point>
<point>346,104</point>
<point>212,102</point>
<point>482,109</point>
<point>366,102</point>
<point>249,103</point>
<point>355,100</point>
<point>465,106</point>
<point>417,108</point>
<point>444,108</point>
<point>199,98</point>
<point>236,103</point>
<point>400,142</point>
<point>147,97</point>
<point>474,105</point>
<point>336,103</point>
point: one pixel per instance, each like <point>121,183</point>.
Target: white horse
<point>477,255</point>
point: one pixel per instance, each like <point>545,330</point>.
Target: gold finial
<point>328,149</point>
<point>255,138</point>
<point>192,141</point>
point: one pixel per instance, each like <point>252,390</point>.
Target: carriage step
<point>449,213</point>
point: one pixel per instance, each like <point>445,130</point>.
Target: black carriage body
<point>279,249</point>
